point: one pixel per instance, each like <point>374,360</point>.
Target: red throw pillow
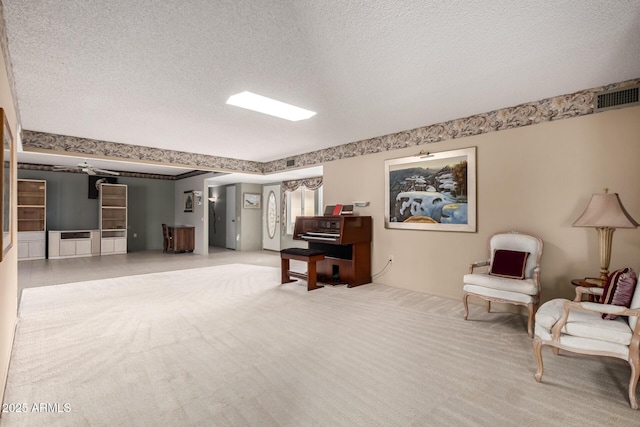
<point>619,289</point>
<point>510,264</point>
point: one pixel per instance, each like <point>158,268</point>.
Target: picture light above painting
<point>432,191</point>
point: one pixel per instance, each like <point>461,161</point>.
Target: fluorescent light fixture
<point>265,105</point>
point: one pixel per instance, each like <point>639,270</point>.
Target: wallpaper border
<point>549,109</point>
<point>63,144</point>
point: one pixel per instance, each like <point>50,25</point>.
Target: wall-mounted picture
<point>251,200</point>
<point>432,191</point>
<point>188,201</point>
<point>6,159</point>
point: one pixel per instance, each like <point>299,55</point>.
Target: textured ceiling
<point>158,73</point>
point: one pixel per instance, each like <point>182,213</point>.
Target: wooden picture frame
<point>251,200</point>
<point>6,178</point>
<point>188,201</point>
<point>432,191</point>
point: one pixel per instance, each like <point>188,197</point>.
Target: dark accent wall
<point>151,203</point>
<point>218,233</point>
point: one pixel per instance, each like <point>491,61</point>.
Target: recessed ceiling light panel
<point>265,105</point>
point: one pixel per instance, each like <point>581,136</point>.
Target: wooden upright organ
<point>346,242</point>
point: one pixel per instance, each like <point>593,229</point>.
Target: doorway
<point>231,217</point>
<point>271,217</point>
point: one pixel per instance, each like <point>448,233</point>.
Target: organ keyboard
<point>346,242</point>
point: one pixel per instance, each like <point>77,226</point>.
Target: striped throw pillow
<point>619,289</point>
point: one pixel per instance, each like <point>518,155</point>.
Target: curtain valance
<point>293,185</point>
<point>310,183</point>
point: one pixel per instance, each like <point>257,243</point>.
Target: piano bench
<point>310,256</point>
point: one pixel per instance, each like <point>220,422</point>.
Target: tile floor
<point>57,271</point>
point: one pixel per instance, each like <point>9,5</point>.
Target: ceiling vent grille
<point>618,98</point>
<point>291,163</point>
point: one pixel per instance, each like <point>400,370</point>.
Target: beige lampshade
<point>605,210</point>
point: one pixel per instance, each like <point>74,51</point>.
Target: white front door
<point>231,217</point>
<point>271,217</point>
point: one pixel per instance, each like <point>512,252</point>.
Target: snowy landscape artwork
<point>432,191</point>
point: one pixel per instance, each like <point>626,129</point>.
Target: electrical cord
<point>384,270</point>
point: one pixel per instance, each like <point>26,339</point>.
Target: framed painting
<point>6,159</point>
<point>251,200</point>
<point>432,191</point>
<point>187,201</point>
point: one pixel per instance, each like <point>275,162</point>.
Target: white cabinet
<point>74,243</point>
<point>107,246</point>
<point>75,247</point>
<point>95,242</point>
<point>67,248</point>
<point>31,245</point>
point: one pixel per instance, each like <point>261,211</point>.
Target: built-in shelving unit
<point>113,219</point>
<point>32,218</point>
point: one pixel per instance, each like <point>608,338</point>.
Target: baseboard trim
<point>5,375</point>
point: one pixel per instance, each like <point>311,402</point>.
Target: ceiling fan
<point>85,167</point>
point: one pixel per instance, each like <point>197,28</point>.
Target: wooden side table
<point>584,283</point>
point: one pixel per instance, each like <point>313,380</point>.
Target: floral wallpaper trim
<point>47,168</point>
<point>550,109</point>
<point>62,143</point>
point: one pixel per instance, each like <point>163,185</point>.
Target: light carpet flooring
<point>230,345</point>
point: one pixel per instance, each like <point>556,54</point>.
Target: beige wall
<point>535,179</point>
<point>9,264</point>
<point>250,220</point>
<point>199,218</point>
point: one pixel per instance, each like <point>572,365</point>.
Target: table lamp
<point>605,213</point>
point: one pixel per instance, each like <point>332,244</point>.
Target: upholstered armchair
<point>512,274</point>
<point>587,328</point>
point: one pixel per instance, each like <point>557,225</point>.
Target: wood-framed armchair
<point>492,286</point>
<point>577,326</point>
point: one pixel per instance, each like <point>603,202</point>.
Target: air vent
<point>618,98</point>
<point>291,163</point>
